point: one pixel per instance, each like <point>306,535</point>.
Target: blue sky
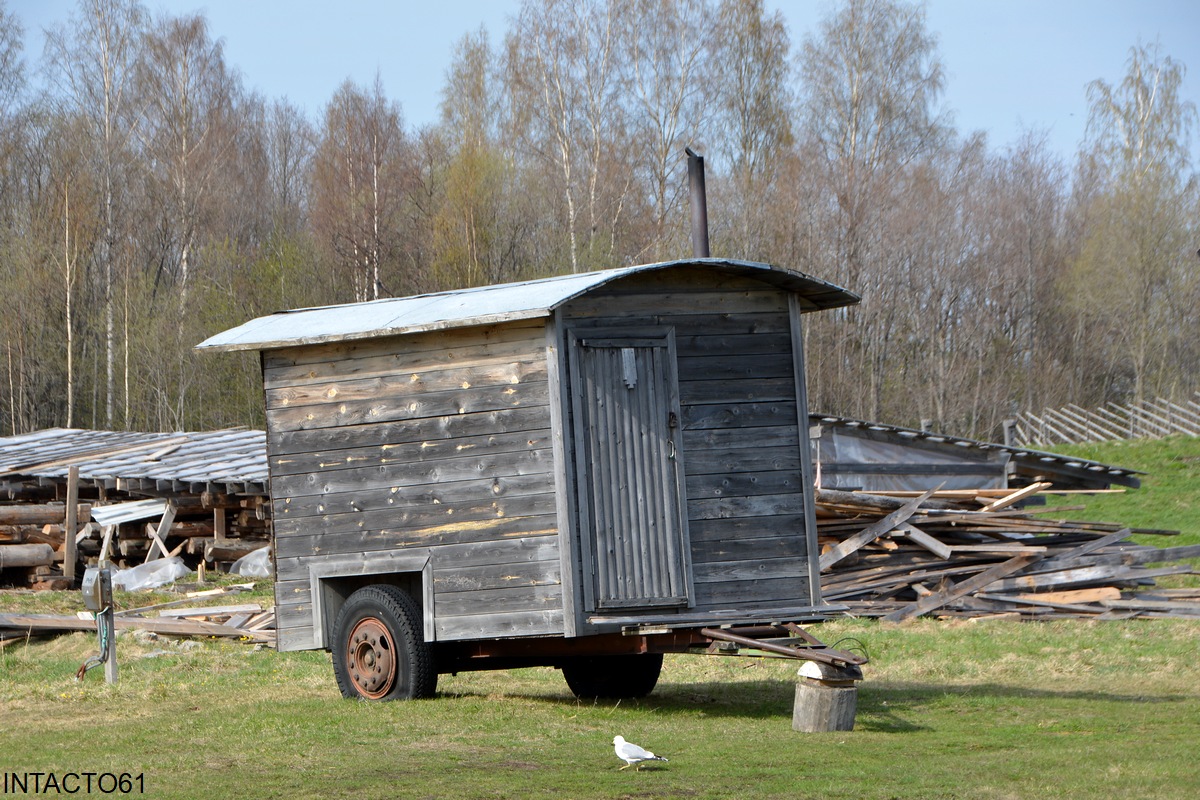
<point>1013,65</point>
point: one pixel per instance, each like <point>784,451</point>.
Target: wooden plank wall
<point>741,441</point>
<point>437,443</point>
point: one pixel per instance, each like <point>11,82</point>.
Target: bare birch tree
<point>1135,278</point>
<point>562,73</point>
<point>360,176</point>
<point>92,60</point>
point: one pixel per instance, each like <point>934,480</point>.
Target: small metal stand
<point>97,597</point>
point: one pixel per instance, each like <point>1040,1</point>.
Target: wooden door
<point>630,479</point>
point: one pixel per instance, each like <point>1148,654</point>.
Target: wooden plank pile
<point>248,622</point>
<point>899,558</point>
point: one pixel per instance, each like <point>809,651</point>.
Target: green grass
<point>1169,497</point>
<point>948,710</point>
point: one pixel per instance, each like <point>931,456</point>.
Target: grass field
<point>1067,709</point>
<point>1170,493</point>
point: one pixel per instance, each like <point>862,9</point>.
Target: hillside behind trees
<point>148,200</point>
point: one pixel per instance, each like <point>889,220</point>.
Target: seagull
<point>631,754</point>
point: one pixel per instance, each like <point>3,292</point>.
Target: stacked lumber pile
<point>33,543</point>
<point>899,558</point>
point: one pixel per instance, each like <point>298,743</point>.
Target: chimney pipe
<point>699,203</point>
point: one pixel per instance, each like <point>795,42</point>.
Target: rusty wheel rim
<point>371,658</point>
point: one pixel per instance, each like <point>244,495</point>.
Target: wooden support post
<point>826,698</point>
<point>219,530</point>
<point>72,522</point>
<point>159,537</point>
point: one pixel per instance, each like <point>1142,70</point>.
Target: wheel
<point>379,652</point>
<point>612,677</point>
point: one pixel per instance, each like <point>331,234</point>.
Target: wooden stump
<point>826,698</point>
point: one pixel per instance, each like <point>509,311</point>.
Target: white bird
<point>631,754</point>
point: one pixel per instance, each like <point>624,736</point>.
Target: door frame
<point>585,536</point>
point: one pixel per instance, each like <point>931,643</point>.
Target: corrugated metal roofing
<point>1023,459</point>
<point>232,461</point>
<point>484,305</point>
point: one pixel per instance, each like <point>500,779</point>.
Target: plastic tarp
<point>848,461</point>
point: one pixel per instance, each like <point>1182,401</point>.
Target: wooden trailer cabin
<point>563,472</point>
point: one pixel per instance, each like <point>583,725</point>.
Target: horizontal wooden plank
<point>745,484</point>
<point>506,551</point>
<point>717,461</point>
<point>408,452</point>
<point>293,637</point>
<point>295,610</point>
<point>410,517</point>
<point>684,278</point>
<point>395,409</point>
<point>431,342</point>
<point>734,594</point>
<point>490,626</point>
<point>443,493</point>
<point>739,438</point>
<point>528,346</point>
<point>500,601</point>
<point>450,578</point>
<point>754,570</point>
<point>742,355</point>
<point>629,301</point>
<point>761,548</point>
<point>689,323</point>
<point>337,544</point>
<point>168,627</point>
<point>723,392</point>
<point>760,506</point>
<point>293,588</point>
<point>405,385</point>
<point>369,479</point>
<point>452,426</point>
<point>738,415</point>
<point>718,528</point>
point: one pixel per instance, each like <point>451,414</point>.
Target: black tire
<point>379,652</point>
<point>613,677</point>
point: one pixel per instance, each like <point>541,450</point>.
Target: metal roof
<point>1023,460</point>
<point>230,461</point>
<point>485,305</point>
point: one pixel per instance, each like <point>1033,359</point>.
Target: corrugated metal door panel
<point>627,425</point>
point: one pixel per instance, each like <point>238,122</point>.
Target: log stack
<point>215,529</point>
<point>898,558</point>
<point>33,543</point>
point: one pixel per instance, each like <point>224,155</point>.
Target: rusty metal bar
<point>824,655</point>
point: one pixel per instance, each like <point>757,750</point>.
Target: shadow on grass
<point>883,708</point>
<point>890,708</point>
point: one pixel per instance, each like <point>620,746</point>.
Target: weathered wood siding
<point>437,443</point>
<point>741,438</point>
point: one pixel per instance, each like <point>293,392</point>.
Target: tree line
<point>148,200</point>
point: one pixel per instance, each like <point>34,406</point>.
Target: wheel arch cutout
<point>332,582</point>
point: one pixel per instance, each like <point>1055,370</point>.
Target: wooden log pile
<point>216,529</point>
<point>900,558</point>
<point>33,545</point>
<point>209,528</point>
